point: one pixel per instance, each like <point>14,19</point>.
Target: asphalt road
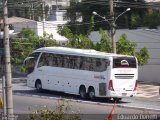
<point>25,98</point>
<point>88,111</point>
<point>136,102</point>
<point>16,75</point>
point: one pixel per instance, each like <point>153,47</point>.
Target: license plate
<point>124,94</point>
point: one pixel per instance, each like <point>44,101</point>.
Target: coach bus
<point>88,73</point>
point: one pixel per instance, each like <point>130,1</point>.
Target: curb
<point>17,80</point>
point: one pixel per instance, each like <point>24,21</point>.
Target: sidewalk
<point>145,90</point>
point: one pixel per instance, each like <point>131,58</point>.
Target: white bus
<point>88,73</point>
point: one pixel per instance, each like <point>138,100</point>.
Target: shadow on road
<point>62,95</point>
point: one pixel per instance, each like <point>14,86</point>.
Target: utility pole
<point>8,75</point>
<point>113,30</point>
<point>43,15</point>
<point>32,12</point>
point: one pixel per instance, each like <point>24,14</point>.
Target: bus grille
<point>124,76</point>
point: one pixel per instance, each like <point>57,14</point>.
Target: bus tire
<point>82,92</point>
<point>38,85</point>
<point>91,93</point>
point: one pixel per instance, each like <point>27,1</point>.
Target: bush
<point>63,111</point>
<point>152,20</point>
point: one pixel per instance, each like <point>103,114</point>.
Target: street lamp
<point>112,22</point>
<point>128,9</point>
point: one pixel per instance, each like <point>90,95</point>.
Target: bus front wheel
<point>38,85</point>
<point>82,92</point>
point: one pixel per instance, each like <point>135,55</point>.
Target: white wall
<point>53,2</point>
<point>18,26</point>
<point>57,15</point>
<point>49,27</point>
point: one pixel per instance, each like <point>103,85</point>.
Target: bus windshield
<point>120,62</point>
<point>30,61</point>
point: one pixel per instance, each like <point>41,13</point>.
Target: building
<point>57,9</point>
<point>49,27</point>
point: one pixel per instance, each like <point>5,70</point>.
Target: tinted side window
<point>101,64</point>
<point>73,62</point>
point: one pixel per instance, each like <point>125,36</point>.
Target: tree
<point>152,20</point>
<point>105,44</point>
<point>143,56</point>
<point>135,21</point>
<point>27,9</point>
<point>124,46</point>
<point>86,7</point>
<point>22,47</point>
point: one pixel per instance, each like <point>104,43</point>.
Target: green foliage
<point>77,41</point>
<point>23,9</point>
<point>84,9</point>
<point>66,32</point>
<point>23,69</point>
<point>152,20</point>
<point>105,44</point>
<point>85,42</point>
<point>63,111</point>
<point>80,41</point>
<point>124,46</point>
<point>143,56</point>
<point>27,32</point>
<point>91,27</point>
<point>135,21</point>
<point>22,47</point>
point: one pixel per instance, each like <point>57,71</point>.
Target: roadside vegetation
<point>63,111</point>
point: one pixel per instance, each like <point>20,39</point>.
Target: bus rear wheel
<point>82,92</point>
<point>91,94</point>
<point>38,85</point>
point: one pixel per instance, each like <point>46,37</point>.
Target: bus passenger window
<point>92,64</point>
<point>50,60</point>
<point>66,62</point>
<point>82,63</point>
<point>77,62</point>
<point>62,61</point>
<point>54,61</point>
<point>101,65</point>
<point>98,63</point>
<point>71,62</point>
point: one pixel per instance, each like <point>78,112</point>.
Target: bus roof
<point>75,51</point>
